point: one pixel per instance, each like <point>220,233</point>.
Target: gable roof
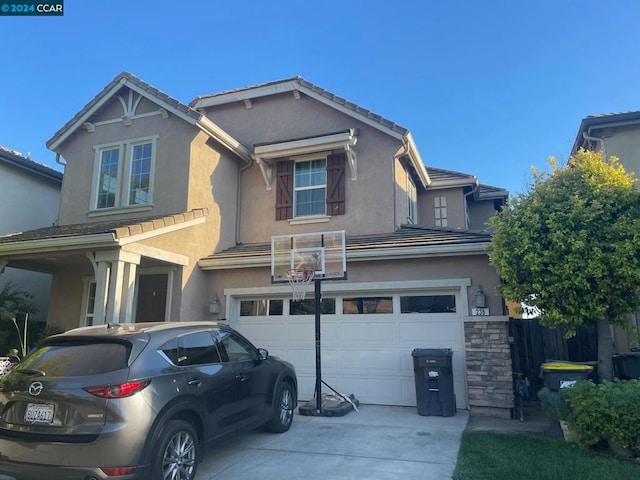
<point>126,79</point>
<point>298,85</point>
<point>407,242</point>
<point>603,120</point>
<point>15,159</point>
<point>448,178</point>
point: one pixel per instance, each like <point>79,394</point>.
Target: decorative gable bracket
<point>346,140</point>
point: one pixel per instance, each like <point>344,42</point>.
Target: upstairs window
<point>311,186</point>
<point>440,211</point>
<point>124,174</point>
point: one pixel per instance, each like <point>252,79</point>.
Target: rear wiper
<point>31,371</point>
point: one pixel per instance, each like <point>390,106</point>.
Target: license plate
<point>39,413</point>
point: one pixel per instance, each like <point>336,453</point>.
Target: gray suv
<point>133,401</point>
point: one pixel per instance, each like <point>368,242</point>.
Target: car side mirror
<point>263,353</point>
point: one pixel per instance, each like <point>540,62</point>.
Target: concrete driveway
<point>376,443</point>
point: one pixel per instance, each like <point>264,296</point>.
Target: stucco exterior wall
<point>479,213</point>
<point>171,170</point>
<point>455,206</point>
<point>28,201</point>
<point>369,207</point>
<point>623,142</point>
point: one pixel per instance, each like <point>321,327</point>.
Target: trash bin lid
<point>566,366</point>
<point>432,352</point>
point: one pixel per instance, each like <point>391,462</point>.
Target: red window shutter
<point>336,184</point>
<point>284,190</point>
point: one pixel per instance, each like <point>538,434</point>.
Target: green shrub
<point>609,411</point>
<point>553,404</point>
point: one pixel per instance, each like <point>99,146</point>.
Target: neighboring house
<point>617,135</point>
<point>167,208</point>
<point>29,199</point>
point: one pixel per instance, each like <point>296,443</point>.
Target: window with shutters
<point>310,186</point>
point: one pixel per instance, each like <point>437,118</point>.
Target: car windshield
<point>77,359</point>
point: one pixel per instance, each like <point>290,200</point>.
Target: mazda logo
<point>35,389</point>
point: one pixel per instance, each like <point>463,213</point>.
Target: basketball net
<point>299,279</point>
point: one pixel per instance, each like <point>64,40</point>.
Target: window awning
<point>344,140</point>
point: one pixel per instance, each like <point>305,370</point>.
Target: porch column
<point>129,286</point>
<point>102,271</point>
<point>120,283</point>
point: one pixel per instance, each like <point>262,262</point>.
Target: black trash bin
<point>434,381</point>
<point>627,365</point>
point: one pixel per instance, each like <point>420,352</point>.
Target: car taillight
<point>118,391</point>
<point>115,471</point>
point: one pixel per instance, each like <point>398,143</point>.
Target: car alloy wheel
<point>283,416</point>
<point>179,452</point>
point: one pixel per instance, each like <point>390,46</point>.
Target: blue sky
<point>486,87</point>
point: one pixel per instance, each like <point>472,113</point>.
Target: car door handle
<point>194,383</point>
<point>241,378</point>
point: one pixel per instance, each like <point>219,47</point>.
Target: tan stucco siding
<point>475,267</point>
<point>213,183</point>
<point>455,206</point>
<point>171,168</point>
<point>622,142</point>
<point>65,304</point>
<point>369,199</point>
<point>479,213</point>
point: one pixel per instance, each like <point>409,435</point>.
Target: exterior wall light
<point>214,305</point>
<point>481,299</point>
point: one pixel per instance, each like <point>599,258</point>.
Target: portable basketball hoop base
<point>298,259</point>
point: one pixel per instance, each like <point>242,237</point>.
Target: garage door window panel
<point>308,306</point>
<point>428,304</point>
<point>261,307</point>
<point>367,305</point>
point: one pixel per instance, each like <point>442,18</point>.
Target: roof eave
<point>362,255</point>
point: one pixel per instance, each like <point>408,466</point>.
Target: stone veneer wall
<point>489,374</point>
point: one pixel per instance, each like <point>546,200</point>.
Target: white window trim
<point>124,173</point>
<point>309,158</point>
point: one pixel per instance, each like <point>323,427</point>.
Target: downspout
<point>239,198</point>
<point>396,158</point>
<point>599,140</point>
<point>466,213</point>
<point>60,162</point>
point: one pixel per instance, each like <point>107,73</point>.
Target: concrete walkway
<point>377,443</point>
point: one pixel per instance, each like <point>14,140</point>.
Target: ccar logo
<point>35,389</point>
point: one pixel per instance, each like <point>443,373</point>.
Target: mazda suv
<point>137,401</point>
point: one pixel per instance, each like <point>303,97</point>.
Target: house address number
<point>478,312</point>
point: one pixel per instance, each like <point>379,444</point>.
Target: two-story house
<point>617,135</point>
<point>29,199</point>
<point>168,212</point>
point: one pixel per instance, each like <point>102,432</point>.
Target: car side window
<point>193,349</point>
<point>237,349</point>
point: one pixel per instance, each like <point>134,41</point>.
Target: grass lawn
<point>494,456</point>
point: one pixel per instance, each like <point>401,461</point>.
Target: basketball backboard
<point>324,252</point>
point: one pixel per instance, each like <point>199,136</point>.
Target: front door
<point>152,298</point>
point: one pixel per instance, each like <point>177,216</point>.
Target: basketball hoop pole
<point>318,363</point>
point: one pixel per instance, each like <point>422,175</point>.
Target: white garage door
<point>366,354</point>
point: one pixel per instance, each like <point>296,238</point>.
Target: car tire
<point>283,409</point>
<point>177,452</point>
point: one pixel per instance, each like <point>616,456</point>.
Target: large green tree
<point>570,246</point>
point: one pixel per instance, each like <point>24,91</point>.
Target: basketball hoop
<point>299,279</point>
